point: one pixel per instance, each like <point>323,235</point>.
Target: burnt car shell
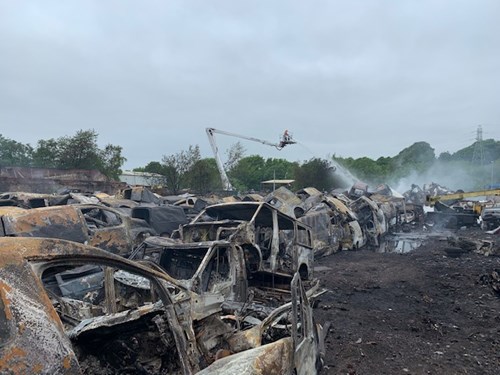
<point>94,225</point>
<point>33,338</point>
<point>490,217</point>
<point>64,222</point>
<point>283,243</point>
<point>163,219</point>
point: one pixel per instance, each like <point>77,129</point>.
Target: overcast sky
<point>352,78</point>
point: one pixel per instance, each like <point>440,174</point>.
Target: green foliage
<point>203,177</point>
<point>14,154</point>
<point>315,172</point>
<point>417,153</point>
<point>111,160</point>
<point>248,173</point>
<point>77,152</point>
<point>46,154</point>
<point>152,167</point>
<point>367,169</point>
<point>491,151</point>
<point>235,153</point>
<point>185,170</point>
<point>445,156</point>
<point>160,171</point>
<point>419,157</point>
<point>279,169</point>
<point>177,167</point>
<point>80,151</point>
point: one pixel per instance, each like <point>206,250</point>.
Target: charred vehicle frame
<point>67,308</point>
<point>95,225</point>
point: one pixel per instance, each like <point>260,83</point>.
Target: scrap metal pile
<point>232,305</point>
<point>140,283</point>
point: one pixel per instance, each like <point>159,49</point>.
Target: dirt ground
<point>421,312</point>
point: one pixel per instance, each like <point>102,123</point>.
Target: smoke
<point>342,176</point>
<point>453,175</point>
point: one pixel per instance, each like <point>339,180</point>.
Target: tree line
<point>187,170</point>
<point>420,159</point>
<point>179,171</point>
<point>68,152</point>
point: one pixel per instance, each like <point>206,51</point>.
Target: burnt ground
<point>416,313</point>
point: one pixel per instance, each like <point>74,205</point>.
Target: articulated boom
<point>431,200</point>
<point>286,139</point>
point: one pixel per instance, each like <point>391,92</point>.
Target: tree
<point>14,154</point>
<point>177,165</point>
<point>46,154</point>
<point>203,177</point>
<point>315,172</point>
<point>491,150</point>
<point>248,173</point>
<point>445,156</point>
<point>159,170</point>
<point>418,157</point>
<point>278,169</point>
<point>80,151</point>
<point>234,155</point>
<point>111,160</point>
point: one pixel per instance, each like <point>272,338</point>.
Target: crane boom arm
<point>431,200</point>
<point>226,184</point>
<point>212,131</point>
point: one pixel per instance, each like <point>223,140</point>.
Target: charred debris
<point>142,283</point>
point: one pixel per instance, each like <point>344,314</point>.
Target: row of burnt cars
<point>135,284</point>
<point>140,283</point>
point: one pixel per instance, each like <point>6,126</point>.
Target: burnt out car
<point>272,241</point>
<point>163,219</point>
<point>233,249</point>
<point>94,225</point>
<point>490,218</point>
<point>67,308</point>
<point>32,200</point>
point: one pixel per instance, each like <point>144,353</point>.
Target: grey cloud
<point>353,78</point>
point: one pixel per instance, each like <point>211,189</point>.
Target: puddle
<point>398,245</point>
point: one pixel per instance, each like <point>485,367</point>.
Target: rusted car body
<point>288,355</point>
<point>163,219</point>
<point>213,269</point>
<point>327,236</point>
<point>141,194</point>
<point>67,308</point>
<point>232,250</point>
<point>371,219</point>
<point>285,201</point>
<point>334,225</point>
<point>32,200</point>
<point>272,241</point>
<point>94,225</point>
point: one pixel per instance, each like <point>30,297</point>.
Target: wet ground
<point>404,309</point>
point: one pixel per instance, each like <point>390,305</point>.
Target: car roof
<point>16,250</point>
<point>5,210</point>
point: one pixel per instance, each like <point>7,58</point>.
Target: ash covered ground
<point>421,312</point>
